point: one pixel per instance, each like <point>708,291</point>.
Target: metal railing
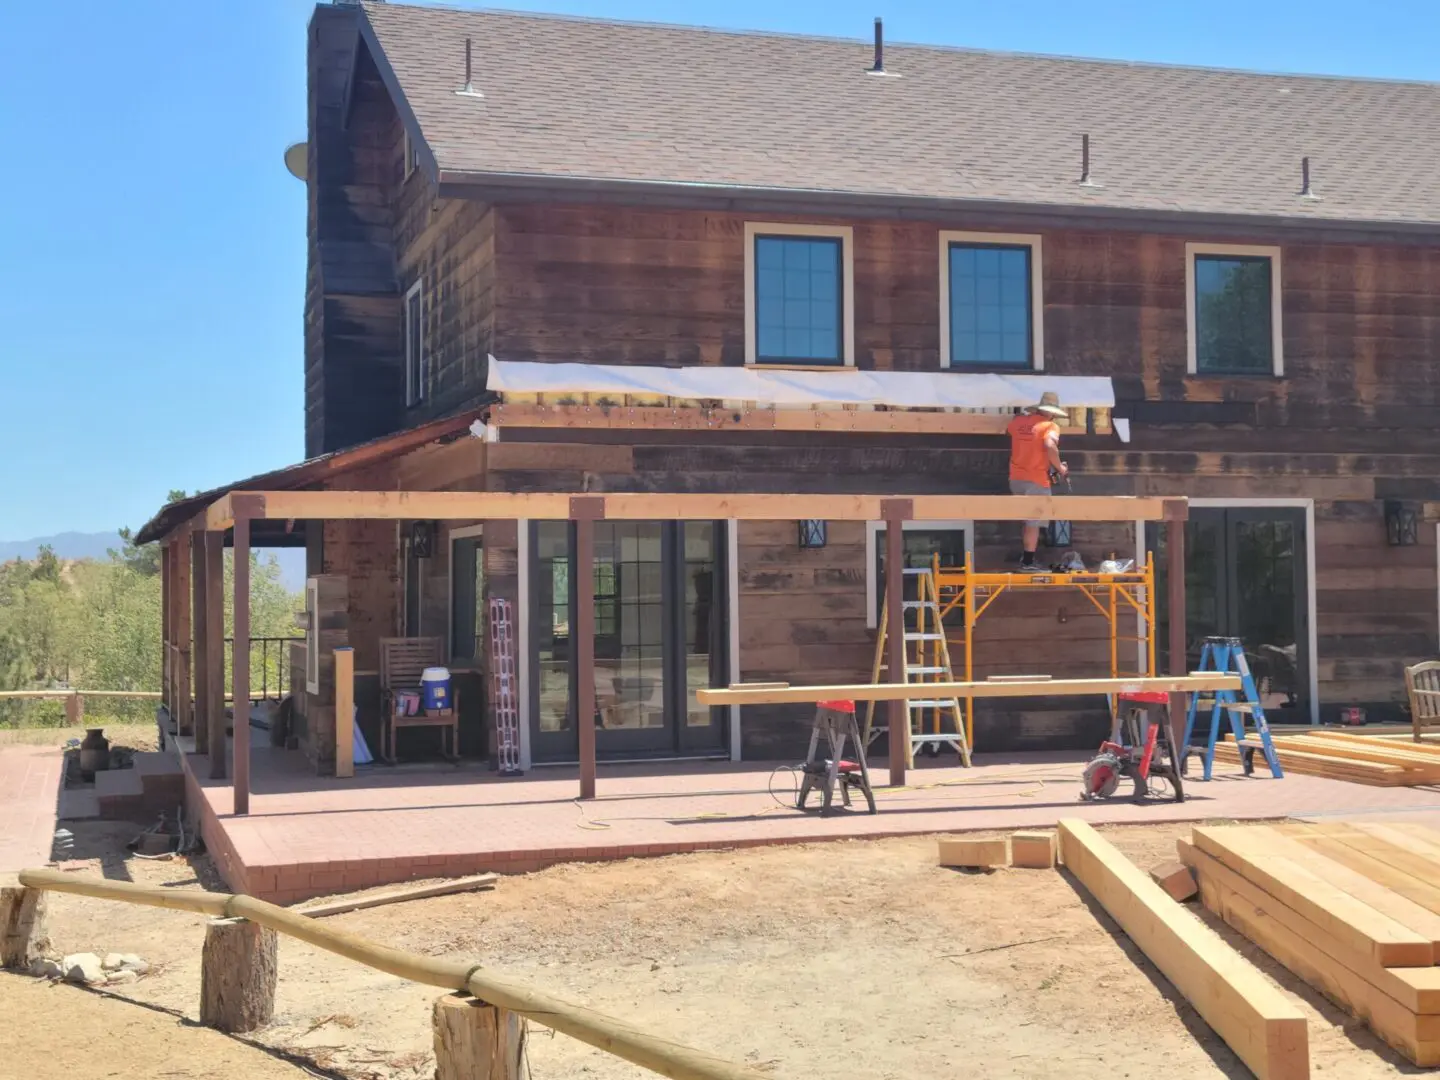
<point>272,673</point>
<point>653,1052</point>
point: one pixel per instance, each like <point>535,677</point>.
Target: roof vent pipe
<point>468,90</point>
<point>1305,189</point>
<point>879,67</point>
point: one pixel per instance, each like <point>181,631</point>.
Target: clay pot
<point>94,753</point>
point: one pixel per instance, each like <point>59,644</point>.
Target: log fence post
<point>237,975</point>
<point>477,1041</point>
<point>23,937</point>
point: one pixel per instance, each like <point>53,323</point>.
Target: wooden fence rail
<point>614,1036</point>
<point>153,694</point>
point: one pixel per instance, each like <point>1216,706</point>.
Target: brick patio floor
<point>309,835</point>
<point>29,794</point>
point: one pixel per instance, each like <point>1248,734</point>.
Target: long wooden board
<point>1416,989</point>
<point>1266,1031</point>
<point>1357,924</point>
<point>1363,772</point>
<point>1415,877</point>
<point>1416,1036</point>
<point>642,506</point>
<point>771,694</point>
<point>661,418</point>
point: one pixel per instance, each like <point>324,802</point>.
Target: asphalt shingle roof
<point>581,98</point>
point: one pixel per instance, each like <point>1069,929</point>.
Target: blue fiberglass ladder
<point>1228,655</point>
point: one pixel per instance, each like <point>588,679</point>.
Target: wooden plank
<point>1384,755</point>
<point>398,896</point>
<point>1417,988</point>
<point>1357,924</point>
<point>1417,1037</point>
<point>1035,850</point>
<point>550,506</point>
<point>1335,864</point>
<point>861,421</point>
<point>1415,877</point>
<point>345,712</point>
<point>748,695</point>
<point>1317,765</point>
<point>1255,1019</point>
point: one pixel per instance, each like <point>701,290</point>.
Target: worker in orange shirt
<point>1034,452</point>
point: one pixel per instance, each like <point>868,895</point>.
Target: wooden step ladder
<point>927,660</point>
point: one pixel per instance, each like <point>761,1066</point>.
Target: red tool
<point>1130,751</point>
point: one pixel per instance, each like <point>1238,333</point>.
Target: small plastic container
<point>435,689</point>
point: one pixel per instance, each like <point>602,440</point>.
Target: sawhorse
<point>1226,654</point>
<point>836,721</point>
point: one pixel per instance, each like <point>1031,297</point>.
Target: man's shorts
<point>1029,487</point>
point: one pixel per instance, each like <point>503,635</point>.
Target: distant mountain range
<point>67,545</point>
<point>77,545</point>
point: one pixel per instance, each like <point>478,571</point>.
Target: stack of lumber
<point>1351,908</point>
<point>1380,761</point>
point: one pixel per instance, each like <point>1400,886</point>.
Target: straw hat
<point>1049,405</point>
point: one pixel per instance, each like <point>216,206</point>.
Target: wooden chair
<point>402,662</point>
<point>1422,682</point>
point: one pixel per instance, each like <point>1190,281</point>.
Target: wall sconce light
<point>812,533</point>
<point>1058,534</point>
<point>1402,523</point>
<point>422,539</point>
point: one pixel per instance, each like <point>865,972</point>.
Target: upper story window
<point>799,295</point>
<point>1232,308</point>
<point>412,156</point>
<point>416,369</point>
<point>991,308</point>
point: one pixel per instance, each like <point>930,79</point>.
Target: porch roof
<point>310,471</point>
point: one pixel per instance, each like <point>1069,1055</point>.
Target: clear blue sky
<point>153,245</point>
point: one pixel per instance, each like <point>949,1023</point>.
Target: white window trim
<point>1313,629</point>
<point>468,532</point>
<point>732,589</point>
<point>412,156</point>
<point>872,533</point>
<point>846,235</point>
<point>414,395</point>
<point>1277,334</point>
<point>1037,289</point>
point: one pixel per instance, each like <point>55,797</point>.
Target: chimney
<point>879,67</point>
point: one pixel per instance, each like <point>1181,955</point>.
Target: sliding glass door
<point>659,636</point>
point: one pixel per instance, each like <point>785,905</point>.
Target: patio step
<point>120,795</point>
<point>162,779</point>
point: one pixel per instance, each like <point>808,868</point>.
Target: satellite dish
<point>296,158</point>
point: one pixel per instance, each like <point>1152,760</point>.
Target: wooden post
<point>240,663</point>
<point>476,1041</point>
<point>74,709</point>
<point>200,594</point>
<point>237,975</point>
<point>585,513</point>
<point>895,512</point>
<point>1175,514</point>
<point>165,626</point>
<point>213,657</point>
<point>184,724</point>
<point>345,712</point>
<point>22,926</point>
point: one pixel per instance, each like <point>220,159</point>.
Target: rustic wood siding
<point>351,303</point>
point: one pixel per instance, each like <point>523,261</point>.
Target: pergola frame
<point>237,511</point>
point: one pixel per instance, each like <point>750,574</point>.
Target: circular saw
<point>1102,776</point>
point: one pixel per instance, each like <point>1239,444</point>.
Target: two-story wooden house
<point>661,259</point>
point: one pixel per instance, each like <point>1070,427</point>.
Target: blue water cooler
<point>435,689</point>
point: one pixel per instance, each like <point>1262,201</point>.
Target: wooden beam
<point>1179,661</point>
<point>1254,1018</point>
<point>771,694</point>
<point>585,511</point>
<point>896,512</point>
<point>639,506</point>
<point>653,418</point>
<point>1352,921</point>
<point>166,624</point>
<point>345,712</point>
<point>240,666</point>
<point>214,657</point>
<point>201,595</point>
<point>184,723</point>
<point>400,896</point>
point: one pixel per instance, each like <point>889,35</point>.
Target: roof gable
<point>629,103</point>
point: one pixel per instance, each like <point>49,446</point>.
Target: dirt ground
<point>857,959</point>
<point>136,736</point>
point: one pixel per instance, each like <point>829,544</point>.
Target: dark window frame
<point>841,315</point>
<point>1272,343</point>
<point>1030,363</point>
<point>413,329</point>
